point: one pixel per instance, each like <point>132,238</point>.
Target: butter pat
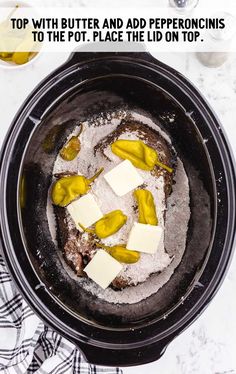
<point>103,268</point>
<point>144,238</point>
<point>123,178</point>
<point>84,211</point>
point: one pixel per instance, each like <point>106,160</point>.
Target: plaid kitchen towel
<point>27,346</point>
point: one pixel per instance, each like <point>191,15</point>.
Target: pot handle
<point>84,53</point>
<point>122,357</point>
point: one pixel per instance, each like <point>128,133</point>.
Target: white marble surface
<point>209,345</point>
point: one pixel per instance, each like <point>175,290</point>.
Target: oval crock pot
<point>86,85</point>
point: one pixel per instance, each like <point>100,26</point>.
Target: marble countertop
<point>209,345</point>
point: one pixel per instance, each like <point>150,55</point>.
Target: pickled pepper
<point>121,254</point>
<point>67,189</point>
<point>141,155</point>
<point>110,223</point>
<point>146,207</point>
<point>71,148</point>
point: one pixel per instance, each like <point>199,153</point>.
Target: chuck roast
<point>77,251</point>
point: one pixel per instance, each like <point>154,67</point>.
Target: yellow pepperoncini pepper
<point>71,148</point>
<point>22,192</point>
<point>20,58</point>
<point>146,207</point>
<point>67,189</point>
<point>110,223</point>
<point>120,253</point>
<point>141,155</point>
<point>51,139</point>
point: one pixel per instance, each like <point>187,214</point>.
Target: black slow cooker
<point>86,85</point>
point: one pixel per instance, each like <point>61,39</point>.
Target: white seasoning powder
<point>172,247</point>
<point>175,240</point>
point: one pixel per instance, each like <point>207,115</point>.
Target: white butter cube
<point>144,238</point>
<point>84,211</point>
<point>123,178</point>
<point>103,268</point>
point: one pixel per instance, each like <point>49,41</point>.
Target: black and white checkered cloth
<point>27,346</point>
